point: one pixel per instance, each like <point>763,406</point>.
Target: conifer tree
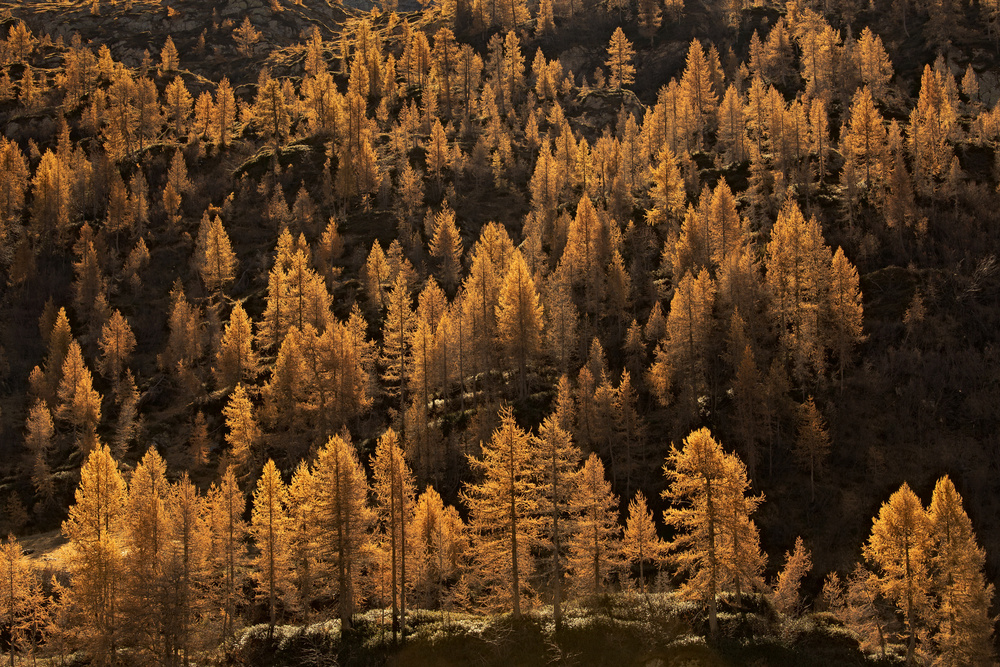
<point>394,488</point>
<point>145,540</point>
<point>95,530</point>
<point>504,518</point>
<point>844,311</point>
<point>640,543</point>
<point>689,328</point>
<point>236,360</point>
<point>593,545</point>
<point>797,278</point>
<point>269,525</point>
<point>446,247</point>
<point>213,255</point>
<point>228,557</point>
<point>961,595</point>
<point>557,462</point>
<point>899,546</point>
<point>519,317</point>
<point>439,544</point>
<point>178,106</point>
<point>397,328</point>
<point>339,496</point>
<point>244,433</point>
<point>38,442</point>
<point>650,18</point>
<point>186,556</point>
<point>117,343</point>
<point>667,194</point>
<point>619,62</point>
<point>798,562</point>
<point>813,443</point>
<point>717,540</point>
<point>223,113</point>
<point>79,403</point>
<point>17,585</point>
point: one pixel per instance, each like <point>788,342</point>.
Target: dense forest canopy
<point>427,311</point>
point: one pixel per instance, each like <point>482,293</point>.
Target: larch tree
<point>246,36</point>
<point>271,115</point>
<point>650,18</point>
<point>798,563</point>
<point>557,460</point>
<point>667,194</point>
<point>844,311</point>
<point>395,490</point>
<point>179,105</point>
<point>812,445</point>
<point>18,582</point>
<point>145,540</point>
<point>270,527</point>
<point>213,255</point>
<point>343,518</point>
<point>236,360</point>
<point>244,433</point>
<point>504,518</point>
<point>446,247</point>
<point>640,543</point>
<point>79,403</point>
<point>185,566</point>
<point>874,65</point>
<point>689,330</point>
<point>117,344</point>
<point>519,317</point>
<point>899,546</point>
<point>95,530</point>
<point>439,545</point>
<point>619,62</point>
<point>797,275</point>
<point>866,138</point>
<point>594,551</point>
<point>224,111</point>
<point>38,442</point>
<point>13,185</point>
<point>707,488</point>
<point>962,598</point>
<point>228,554</point>
<point>397,327</point>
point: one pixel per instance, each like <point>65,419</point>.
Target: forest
<point>529,332</point>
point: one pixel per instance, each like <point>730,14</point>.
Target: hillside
<point>234,232</point>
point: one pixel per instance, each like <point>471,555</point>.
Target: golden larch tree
<point>798,563</point>
<point>962,598</point>
<point>270,528</point>
<point>117,344</point>
<point>395,490</point>
<point>557,461</point>
<point>213,255</point>
<point>38,442</point>
<point>244,433</point>
<point>504,519</point>
<point>594,551</point>
<point>145,540</point>
<point>95,530</point>
<point>707,488</point>
<point>236,360</point>
<point>899,546</point>
<point>640,543</point>
<point>619,62</point>
<point>812,445</point>
<point>519,317</point>
<point>343,519</point>
<point>227,559</point>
